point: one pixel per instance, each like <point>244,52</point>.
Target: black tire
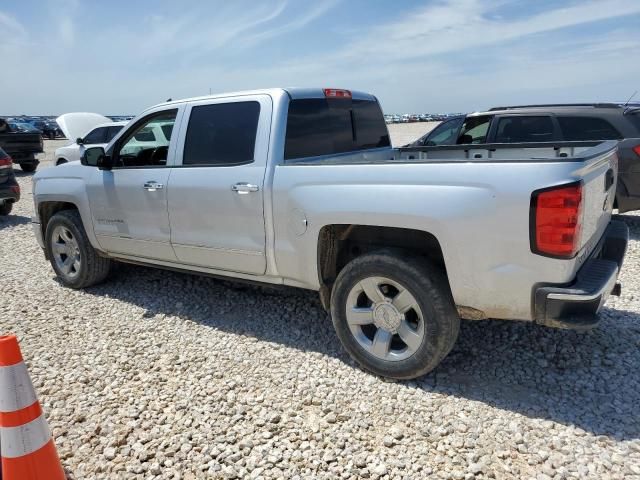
<point>61,161</point>
<point>28,167</point>
<point>93,268</point>
<point>5,208</point>
<point>430,289</point>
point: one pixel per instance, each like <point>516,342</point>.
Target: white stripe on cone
<point>16,389</point>
<point>25,439</point>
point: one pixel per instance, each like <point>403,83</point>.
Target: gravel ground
<point>164,375</point>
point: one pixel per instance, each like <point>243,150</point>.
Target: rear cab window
<point>329,126</point>
<point>587,128</point>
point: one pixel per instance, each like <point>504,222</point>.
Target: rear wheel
<point>5,208</point>
<point>394,315</point>
<point>76,263</point>
<point>28,167</point>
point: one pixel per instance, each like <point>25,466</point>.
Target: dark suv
<point>9,188</point>
<point>554,124</point>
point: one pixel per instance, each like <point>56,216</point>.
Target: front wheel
<point>73,258</point>
<point>394,315</point>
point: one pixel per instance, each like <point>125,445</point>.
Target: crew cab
<point>301,187</point>
<point>22,146</point>
<point>555,123</point>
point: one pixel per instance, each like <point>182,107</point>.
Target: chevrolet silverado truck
<point>301,187</point>
<point>21,146</point>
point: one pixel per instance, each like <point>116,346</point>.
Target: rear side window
<point>145,135</point>
<point>96,135</point>
<point>222,134</point>
<point>587,128</point>
<point>525,130</point>
<point>319,126</point>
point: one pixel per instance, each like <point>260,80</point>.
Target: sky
<point>120,57</point>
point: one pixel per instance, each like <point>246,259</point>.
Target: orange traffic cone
<point>27,451</point>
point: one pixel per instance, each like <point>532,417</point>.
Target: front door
<point>216,192</point>
<point>129,202</point>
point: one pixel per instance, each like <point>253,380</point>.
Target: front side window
<point>522,129</point>
<point>587,128</point>
<point>97,135</point>
<point>112,132</point>
<point>145,145</point>
<point>474,130</point>
<point>221,134</point>
<point>444,134</point>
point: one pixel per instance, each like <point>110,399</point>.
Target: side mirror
<point>96,157</point>
<point>79,141</point>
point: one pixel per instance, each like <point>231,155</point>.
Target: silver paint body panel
<point>478,209</point>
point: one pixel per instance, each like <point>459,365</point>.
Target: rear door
<point>216,192</point>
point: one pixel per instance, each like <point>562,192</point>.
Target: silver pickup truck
<point>301,187</point>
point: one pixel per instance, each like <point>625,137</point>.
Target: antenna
<point>630,98</point>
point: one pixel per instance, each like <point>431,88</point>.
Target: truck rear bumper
<point>576,306</point>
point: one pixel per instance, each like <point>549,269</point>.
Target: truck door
<point>129,202</point>
<point>216,192</point>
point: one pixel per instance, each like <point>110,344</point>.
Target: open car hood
<point>77,125</point>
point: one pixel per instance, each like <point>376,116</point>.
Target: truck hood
<point>78,124</point>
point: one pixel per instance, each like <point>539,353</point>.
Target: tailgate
<point>599,174</point>
<point>21,143</point>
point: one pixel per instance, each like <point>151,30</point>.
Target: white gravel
<point>162,375</point>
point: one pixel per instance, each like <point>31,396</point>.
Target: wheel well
<point>46,210</point>
<point>61,160</point>
<point>339,244</point>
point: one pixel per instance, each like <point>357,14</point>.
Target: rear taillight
<point>637,150</point>
<point>15,189</point>
<point>6,162</point>
<point>336,93</point>
<point>555,218</point>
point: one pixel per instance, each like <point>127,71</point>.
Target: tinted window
<point>525,130</point>
<point>318,126</point>
<point>444,134</point>
<point>474,130</point>
<point>221,134</point>
<point>587,128</point>
<point>635,119</point>
<point>112,132</point>
<point>167,129</point>
<point>97,135</point>
<point>145,135</point>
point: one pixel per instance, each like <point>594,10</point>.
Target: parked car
<point>49,129</point>
<point>554,123</point>
<point>21,145</point>
<point>75,125</point>
<point>301,187</point>
<point>9,188</point>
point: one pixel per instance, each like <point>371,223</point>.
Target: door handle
<point>244,188</point>
<point>152,186</point>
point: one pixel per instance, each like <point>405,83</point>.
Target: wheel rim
<point>66,251</point>
<point>385,319</point>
